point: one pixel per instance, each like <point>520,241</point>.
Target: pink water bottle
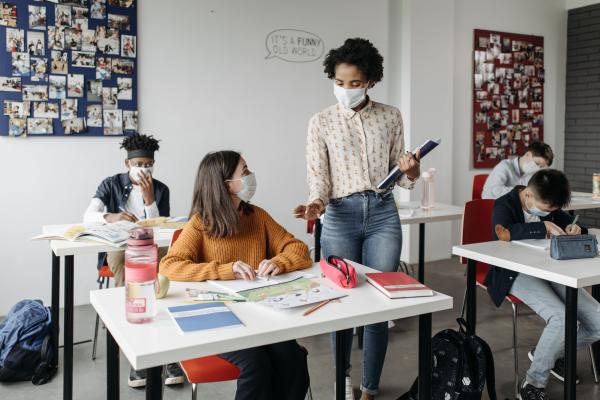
<point>141,262</point>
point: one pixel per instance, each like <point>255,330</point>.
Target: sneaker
<point>173,374</point>
<point>529,392</point>
<point>559,368</point>
<point>137,379</point>
<point>349,389</point>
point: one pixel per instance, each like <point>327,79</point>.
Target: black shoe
<point>559,368</point>
<point>173,374</point>
<point>137,379</point>
<point>529,392</point>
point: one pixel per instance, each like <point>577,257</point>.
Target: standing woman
<point>351,147</point>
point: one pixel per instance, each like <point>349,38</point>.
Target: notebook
<point>203,317</point>
<point>396,285</point>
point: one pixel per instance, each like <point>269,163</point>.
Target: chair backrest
<point>175,236</point>
<point>478,182</point>
<point>477,226</point>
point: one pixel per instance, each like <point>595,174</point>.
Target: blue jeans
<point>548,301</point>
<point>365,228</point>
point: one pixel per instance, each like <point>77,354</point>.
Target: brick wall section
<point>582,119</point>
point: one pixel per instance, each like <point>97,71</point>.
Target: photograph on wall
<point>507,95</point>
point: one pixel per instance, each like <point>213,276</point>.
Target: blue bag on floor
<point>26,343</point>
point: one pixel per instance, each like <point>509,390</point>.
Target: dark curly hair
<point>140,142</point>
<point>358,52</point>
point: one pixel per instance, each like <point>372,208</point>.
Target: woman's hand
<point>268,268</point>
<point>573,230</point>
<point>310,211</point>
<point>553,230</point>
<point>409,164</point>
<point>241,270</point>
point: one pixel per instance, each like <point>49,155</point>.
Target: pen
<point>315,308</point>
<point>575,220</point>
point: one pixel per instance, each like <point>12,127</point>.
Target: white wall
<point>204,85</point>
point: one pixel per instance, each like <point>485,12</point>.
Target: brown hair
<point>540,149</point>
<point>212,200</point>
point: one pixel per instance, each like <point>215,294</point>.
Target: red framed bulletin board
<point>508,95</point>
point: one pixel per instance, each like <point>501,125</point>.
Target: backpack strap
<point>46,369</point>
<point>458,340</point>
<point>490,375</point>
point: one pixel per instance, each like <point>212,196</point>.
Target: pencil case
<point>566,247</point>
<point>339,271</point>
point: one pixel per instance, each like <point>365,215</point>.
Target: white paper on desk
<point>540,244</point>
<point>240,285</point>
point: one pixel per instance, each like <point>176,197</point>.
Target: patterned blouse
<point>349,152</point>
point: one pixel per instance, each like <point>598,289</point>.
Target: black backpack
<point>462,365</point>
<point>27,344</point>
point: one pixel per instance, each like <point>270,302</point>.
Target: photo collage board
<point>68,67</point>
<point>508,95</point>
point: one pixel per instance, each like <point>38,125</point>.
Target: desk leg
<point>422,252</point>
<point>68,334</point>
<point>318,229</point>
<point>340,370</point>
<point>154,383</point>
<point>112,367</point>
<point>425,357</point>
<point>471,295</point>
<point>55,304</point>
<point>570,343</point>
<point>596,346</point>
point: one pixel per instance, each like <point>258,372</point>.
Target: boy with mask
<point>517,171</point>
<point>534,212</point>
<point>131,196</point>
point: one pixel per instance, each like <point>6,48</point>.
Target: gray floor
<point>494,325</point>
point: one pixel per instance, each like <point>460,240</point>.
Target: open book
<point>115,234</point>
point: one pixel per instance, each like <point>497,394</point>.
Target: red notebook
<point>397,285</point>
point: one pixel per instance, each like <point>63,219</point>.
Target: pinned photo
<point>103,68</point>
<point>537,106</point>
<point>529,70</point>
<point>10,84</point>
<point>535,134</point>
<point>58,87</point>
<point>94,116</point>
<point>538,120</point>
<point>121,3</point>
<point>119,22</point>
<point>35,44</point>
<point>480,57</point>
<point>125,89</point>
<point>122,66</point>
<point>515,116</point>
<point>506,45</point>
<point>44,109</point>
<point>37,17</point>
<point>17,127</point>
<point>109,98</point>
<point>128,46</point>
<point>20,64</point>
<point>94,91</point>
<point>107,40</point>
<point>130,120</point>
<point>83,60</point>
<point>113,122</point>
<point>16,109</point>
<point>478,81</point>
<point>15,40</point>
<point>483,42</point>
<point>494,39</point>
<point>505,58</point>
<point>59,63</point>
<point>75,85</point>
<point>79,17</point>
<point>8,14</point>
<point>39,126</point>
<point>68,109</point>
<point>62,15</point>
<point>56,38</point>
<point>88,41</point>
<point>98,10</point>
<point>73,38</point>
<point>39,69</point>
<point>74,125</point>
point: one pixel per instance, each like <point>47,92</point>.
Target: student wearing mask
<point>228,238</point>
<point>351,147</point>
<point>517,171</point>
<point>131,196</point>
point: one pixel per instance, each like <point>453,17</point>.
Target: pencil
<point>315,308</point>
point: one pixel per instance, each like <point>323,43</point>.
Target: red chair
<point>104,275</point>
<point>478,183</point>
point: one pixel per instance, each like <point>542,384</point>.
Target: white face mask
<point>349,98</point>
<point>135,172</point>
<point>530,167</point>
<point>248,187</point>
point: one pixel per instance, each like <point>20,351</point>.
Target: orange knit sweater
<point>195,256</point>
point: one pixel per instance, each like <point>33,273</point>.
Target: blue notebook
<point>204,317</point>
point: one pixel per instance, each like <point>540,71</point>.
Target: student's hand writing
<point>122,216</point>
<point>309,211</point>
<point>573,229</point>
<point>553,230</point>
<point>147,185</point>
<point>409,164</point>
<point>241,270</point>
<point>268,267</point>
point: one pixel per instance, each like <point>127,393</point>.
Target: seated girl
<point>227,238</point>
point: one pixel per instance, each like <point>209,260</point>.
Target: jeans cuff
<point>536,383</point>
<point>372,392</point>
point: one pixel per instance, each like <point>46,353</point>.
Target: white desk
<point>573,274</point>
<point>68,249</point>
<point>582,201</point>
<point>158,343</point>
